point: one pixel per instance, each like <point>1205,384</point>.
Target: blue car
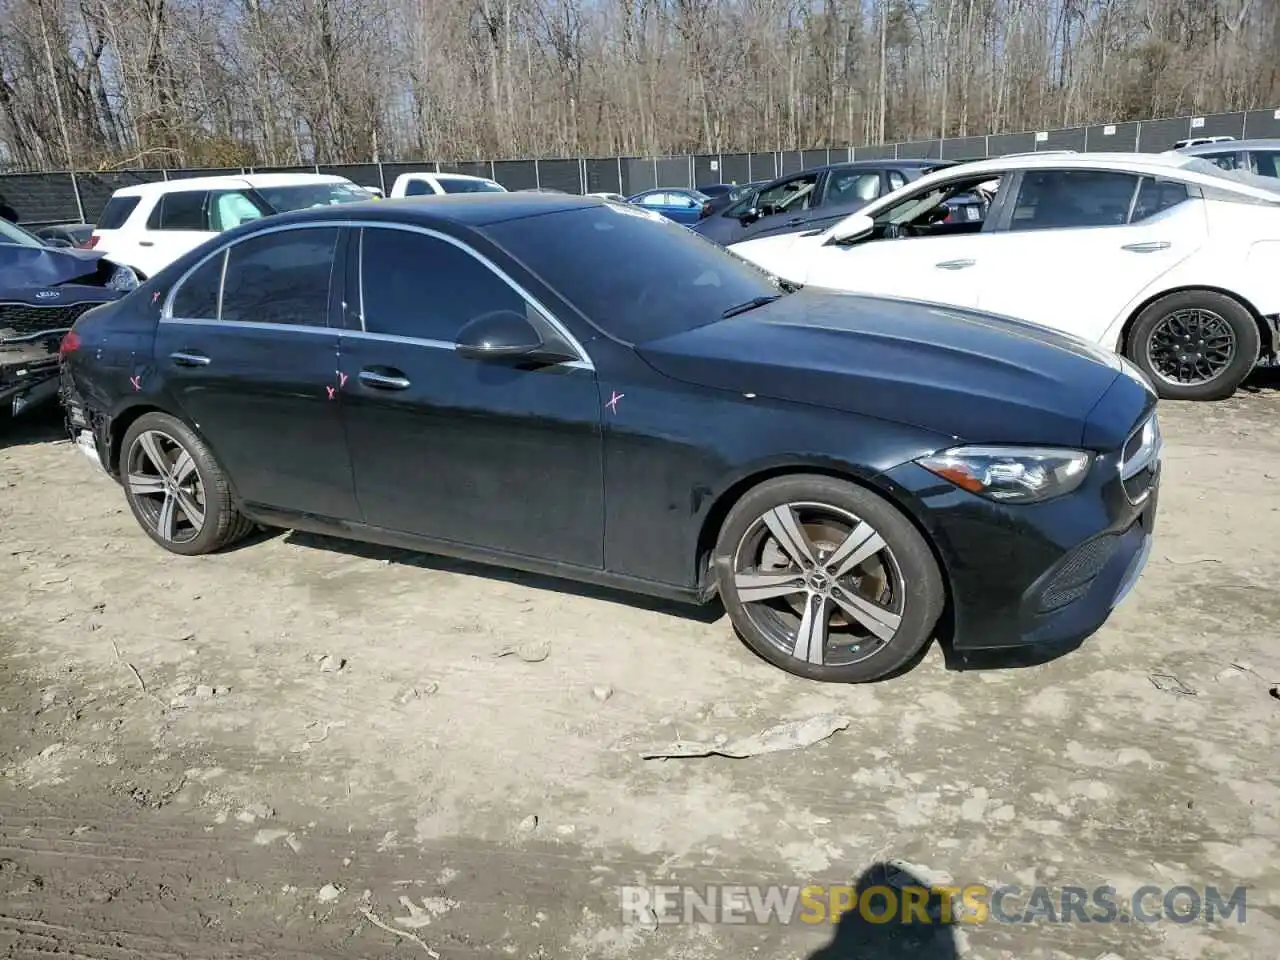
<point>675,203</point>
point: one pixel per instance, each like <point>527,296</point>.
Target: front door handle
<point>955,264</point>
<point>184,359</point>
<point>1150,246</point>
<point>146,243</point>
<point>390,380</point>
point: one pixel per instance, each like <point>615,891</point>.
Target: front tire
<point>827,580</point>
<point>1194,345</point>
<point>177,491</point>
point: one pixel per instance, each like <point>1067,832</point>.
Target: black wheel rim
<point>1190,347</point>
<point>819,584</point>
<point>165,485</point>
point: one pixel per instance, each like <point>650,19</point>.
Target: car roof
<point>444,176</point>
<point>463,209</point>
<point>1231,145</point>
<point>230,180</point>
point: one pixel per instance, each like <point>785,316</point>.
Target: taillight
<point>70,344</point>
<point>90,243</point>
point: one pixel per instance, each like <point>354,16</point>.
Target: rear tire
<point>1194,345</point>
<point>827,580</point>
<point>178,493</point>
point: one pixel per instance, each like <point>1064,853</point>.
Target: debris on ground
<point>329,892</point>
<point>1168,683</point>
<point>602,693</point>
<point>254,812</point>
<point>792,735</point>
<point>373,918</point>
<point>330,664</point>
<point>531,651</point>
<point>528,824</point>
<point>1191,560</point>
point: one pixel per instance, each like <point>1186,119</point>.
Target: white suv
<point>148,226</point>
<point>431,184</point>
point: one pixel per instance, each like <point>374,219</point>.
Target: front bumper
<point>1040,574</point>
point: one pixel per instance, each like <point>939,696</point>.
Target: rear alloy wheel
<point>175,488</point>
<point>827,580</point>
<point>1194,345</point>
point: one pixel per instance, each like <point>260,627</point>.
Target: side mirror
<point>750,216</point>
<point>853,227</point>
<point>506,335</point>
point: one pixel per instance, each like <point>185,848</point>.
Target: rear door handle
<point>146,243</point>
<point>1150,246</point>
<point>392,380</point>
<point>954,264</point>
<point>189,359</point>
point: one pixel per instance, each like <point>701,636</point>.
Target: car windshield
<point>470,186</point>
<point>12,233</point>
<point>1206,166</point>
<point>636,276</point>
<point>303,196</point>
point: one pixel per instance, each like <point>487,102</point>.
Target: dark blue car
<point>675,203</point>
<point>556,384</point>
<point>43,289</point>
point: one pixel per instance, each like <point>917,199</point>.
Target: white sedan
<point>1167,259</point>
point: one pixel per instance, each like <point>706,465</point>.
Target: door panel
<point>937,269</point>
<point>485,453</point>
<point>255,380</point>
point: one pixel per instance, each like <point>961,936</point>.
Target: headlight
<point>1011,474</point>
<point>122,279</point>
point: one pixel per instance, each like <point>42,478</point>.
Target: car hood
<point>38,267</point>
<point>974,376</point>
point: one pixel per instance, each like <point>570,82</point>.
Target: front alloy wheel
<point>816,579</point>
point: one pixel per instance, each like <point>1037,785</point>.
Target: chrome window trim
<point>166,312</point>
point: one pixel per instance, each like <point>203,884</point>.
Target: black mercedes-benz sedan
<point>574,387</point>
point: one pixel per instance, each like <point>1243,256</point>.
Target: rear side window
<point>1266,163</point>
<point>853,185</point>
<point>1229,160</point>
<point>418,188</point>
<point>423,287</point>
<point>470,186</point>
<point>116,212</point>
<point>280,277</point>
<point>197,298</point>
<point>1055,199</point>
<point>180,210</point>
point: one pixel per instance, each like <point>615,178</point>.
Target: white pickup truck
<point>430,184</point>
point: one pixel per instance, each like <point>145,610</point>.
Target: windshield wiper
<point>749,305</point>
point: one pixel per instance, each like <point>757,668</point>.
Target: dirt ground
<point>183,777</point>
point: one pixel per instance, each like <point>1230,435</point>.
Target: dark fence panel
<point>1259,124</point>
<point>523,174</point>
<point>299,169</point>
<point>706,170</point>
<point>1070,139</point>
<point>790,161</point>
<point>1218,125</point>
<point>673,172</point>
<point>763,166</point>
<point>470,168</point>
<point>1112,137</point>
<point>96,189</point>
<point>41,197</point>
<point>921,149</point>
<point>365,174</point>
<point>1156,136</point>
<point>1000,144</point>
<point>638,175</point>
<point>814,158</point>
<point>735,168</point>
<point>883,151</point>
<point>964,148</point>
<point>563,175</point>
<point>198,172</point>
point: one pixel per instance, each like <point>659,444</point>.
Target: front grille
<point>24,319</point>
<point>1077,571</point>
<point>1140,460</point>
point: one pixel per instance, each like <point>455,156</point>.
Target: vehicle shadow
<point>1262,380</point>
<point>707,613</point>
<point>43,424</point>
<point>891,932</point>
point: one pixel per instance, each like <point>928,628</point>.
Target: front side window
<point>280,277</point>
<point>896,180</point>
<point>470,186</point>
<point>635,277</point>
<point>232,208</point>
<point>655,200</point>
<point>1227,160</point>
<point>851,185</point>
<point>418,188</point>
<point>789,197</point>
<point>1057,199</point>
<point>415,285</point>
<point>1266,163</point>
<point>180,210</point>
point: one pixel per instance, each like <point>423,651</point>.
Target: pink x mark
<point>330,389</point>
<point>137,382</point>
<point>613,401</point>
